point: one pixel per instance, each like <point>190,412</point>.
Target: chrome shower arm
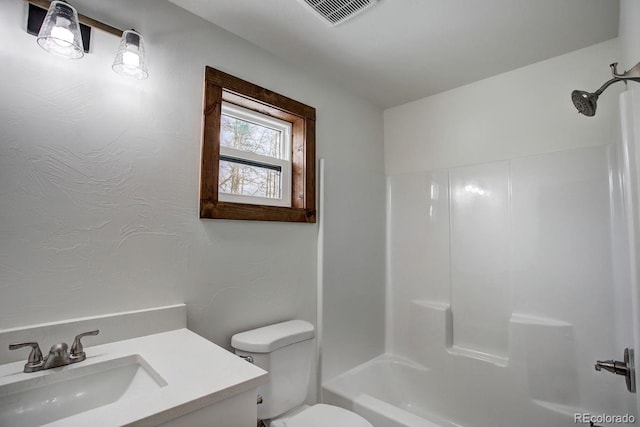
<point>632,74</point>
<point>587,103</point>
<point>607,84</point>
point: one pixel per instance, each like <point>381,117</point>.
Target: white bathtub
<point>393,392</point>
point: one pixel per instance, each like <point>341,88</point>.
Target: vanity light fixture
<point>130,59</point>
<point>62,30</point>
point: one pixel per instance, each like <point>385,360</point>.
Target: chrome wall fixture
<point>625,368</point>
<point>60,33</point>
<point>587,102</point>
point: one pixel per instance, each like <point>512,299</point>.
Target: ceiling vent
<point>338,11</point>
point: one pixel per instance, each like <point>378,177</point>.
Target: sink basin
<point>63,392</point>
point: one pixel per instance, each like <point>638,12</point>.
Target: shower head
<point>585,102</point>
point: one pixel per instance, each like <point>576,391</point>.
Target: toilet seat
<point>321,415</point>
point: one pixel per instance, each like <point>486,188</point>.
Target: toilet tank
<point>285,351</point>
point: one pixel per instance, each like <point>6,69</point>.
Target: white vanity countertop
<point>198,373</point>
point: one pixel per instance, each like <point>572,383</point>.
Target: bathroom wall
<point>519,113</point>
<point>516,271</point>
<point>479,125</point>
<point>99,179</point>
<point>629,35</point>
<point>508,246</point>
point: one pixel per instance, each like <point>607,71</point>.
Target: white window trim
<point>284,164</point>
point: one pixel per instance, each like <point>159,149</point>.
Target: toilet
<point>285,350</point>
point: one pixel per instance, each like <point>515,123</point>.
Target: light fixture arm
<point>90,22</point>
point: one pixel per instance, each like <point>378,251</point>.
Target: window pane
<point>246,136</point>
<point>247,180</point>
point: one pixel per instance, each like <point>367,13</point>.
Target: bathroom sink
<point>52,395</point>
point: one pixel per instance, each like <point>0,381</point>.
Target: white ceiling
<point>402,50</point>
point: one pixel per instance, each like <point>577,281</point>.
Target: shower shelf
<point>478,355</point>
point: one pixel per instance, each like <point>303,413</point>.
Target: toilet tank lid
<point>272,337</point>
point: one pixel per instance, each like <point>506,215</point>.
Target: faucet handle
<point>77,350</point>
<point>35,357</point>
<point>626,369</point>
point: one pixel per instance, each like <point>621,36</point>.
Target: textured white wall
<point>519,113</point>
<point>99,184</point>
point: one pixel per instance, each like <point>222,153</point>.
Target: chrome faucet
<point>625,368</point>
<point>59,355</point>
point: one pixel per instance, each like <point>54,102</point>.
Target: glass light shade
<point>60,31</point>
<point>130,59</point>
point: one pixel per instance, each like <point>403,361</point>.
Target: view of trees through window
<point>250,178</point>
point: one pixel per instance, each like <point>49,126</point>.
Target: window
<point>255,158</point>
<point>258,155</point>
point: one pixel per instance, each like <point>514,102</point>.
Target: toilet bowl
<point>285,350</point>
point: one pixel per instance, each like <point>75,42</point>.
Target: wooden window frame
<point>219,87</point>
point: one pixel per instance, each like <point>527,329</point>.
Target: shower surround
<point>507,281</point>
